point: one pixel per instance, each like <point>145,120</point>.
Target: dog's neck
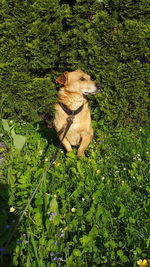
<point>71,99</point>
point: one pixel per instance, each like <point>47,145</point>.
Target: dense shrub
<point>107,39</point>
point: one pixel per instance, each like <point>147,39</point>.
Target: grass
<point>90,211</point>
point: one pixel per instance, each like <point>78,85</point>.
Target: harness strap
<point>70,118</point>
<point>70,111</point>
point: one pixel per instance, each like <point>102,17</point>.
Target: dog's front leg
<point>66,144</point>
<point>86,139</point>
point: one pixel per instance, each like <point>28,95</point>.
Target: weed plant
<point>90,211</point>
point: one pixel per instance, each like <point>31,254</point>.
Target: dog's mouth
<point>95,91</point>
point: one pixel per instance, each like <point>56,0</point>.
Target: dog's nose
<point>98,86</point>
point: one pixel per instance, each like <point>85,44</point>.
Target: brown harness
<point>71,115</point>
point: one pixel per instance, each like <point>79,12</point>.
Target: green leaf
<point>71,155</point>
<point>34,244</point>
<point>18,140</point>
<point>5,125</point>
<point>53,264</point>
<point>77,252</point>
<point>54,205</point>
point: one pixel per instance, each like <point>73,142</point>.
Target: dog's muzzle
<point>98,89</point>
<point>94,91</point>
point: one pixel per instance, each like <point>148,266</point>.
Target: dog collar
<point>70,111</point>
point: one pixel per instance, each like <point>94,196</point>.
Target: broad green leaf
<point>19,140</point>
<point>54,205</point>
<point>5,125</point>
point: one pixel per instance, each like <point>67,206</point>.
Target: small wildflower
<point>24,122</point>
<point>56,164</point>
<point>54,213</point>
<point>55,259</point>
<point>98,171</point>
<point>137,157</point>
<point>7,226</point>
<point>12,209</point>
<point>2,249</point>
<point>93,198</point>
<point>62,234</point>
<point>11,121</point>
<point>61,259</point>
<point>73,209</point>
<point>50,218</point>
<point>103,178</point>
<point>124,169</point>
<point>52,254</point>
<point>117,171</point>
<point>19,241</point>
<point>83,199</point>
<point>46,159</point>
<point>26,241</point>
<point>55,196</point>
<point>143,263</point>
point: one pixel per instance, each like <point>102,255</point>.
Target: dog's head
<point>78,81</point>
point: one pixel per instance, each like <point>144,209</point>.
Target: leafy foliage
<point>88,211</point>
<point>107,39</point>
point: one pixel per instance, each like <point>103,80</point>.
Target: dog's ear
<point>62,79</point>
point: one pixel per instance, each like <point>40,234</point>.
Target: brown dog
<point>71,98</point>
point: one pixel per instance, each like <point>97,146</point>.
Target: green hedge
<point>107,39</point>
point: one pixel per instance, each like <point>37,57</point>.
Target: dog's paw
<point>80,153</point>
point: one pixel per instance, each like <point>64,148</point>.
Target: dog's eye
<point>82,79</point>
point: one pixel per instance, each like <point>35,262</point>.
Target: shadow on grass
<point>52,140</point>
<point>7,224</point>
